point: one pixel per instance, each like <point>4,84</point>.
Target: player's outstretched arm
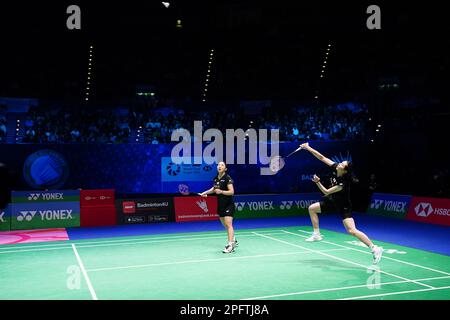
<point>205,193</point>
<point>317,154</point>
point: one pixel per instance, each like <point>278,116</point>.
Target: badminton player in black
<point>337,199</point>
<point>223,187</point>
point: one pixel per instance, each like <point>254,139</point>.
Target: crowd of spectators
<point>324,123</point>
<point>63,126</point>
<point>3,123</point>
<point>155,125</point>
<point>3,131</point>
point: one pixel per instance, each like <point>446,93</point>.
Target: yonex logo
<point>33,196</point>
<point>26,215</point>
<point>423,209</point>
<point>376,204</point>
<point>240,205</point>
<point>202,204</point>
<point>286,205</point>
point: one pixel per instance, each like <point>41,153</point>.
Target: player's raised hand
<point>304,145</point>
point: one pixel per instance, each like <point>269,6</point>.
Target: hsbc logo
<point>423,209</point>
<point>286,205</point>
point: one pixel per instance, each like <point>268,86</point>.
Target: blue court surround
<point>429,237</point>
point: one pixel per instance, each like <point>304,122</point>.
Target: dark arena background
<point>97,202</point>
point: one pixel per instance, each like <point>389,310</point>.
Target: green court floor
<point>269,264</point>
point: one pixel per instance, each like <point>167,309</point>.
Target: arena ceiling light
<point>166,4</point>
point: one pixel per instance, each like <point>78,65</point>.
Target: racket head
<point>276,163</point>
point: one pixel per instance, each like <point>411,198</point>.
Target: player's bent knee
<point>351,231</point>
<point>314,208</point>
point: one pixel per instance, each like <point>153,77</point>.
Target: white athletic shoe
<point>377,253</point>
<point>228,249</point>
<point>235,243</point>
<point>314,237</point>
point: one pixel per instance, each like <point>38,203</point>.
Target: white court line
<point>384,257</point>
<point>143,238</point>
<point>204,260</point>
<point>91,289</point>
<point>341,288</point>
<point>395,293</point>
<point>344,260</point>
<point>35,250</point>
<point>112,243</point>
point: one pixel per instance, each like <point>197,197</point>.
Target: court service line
<point>112,243</point>
<point>344,260</point>
<point>342,288</point>
<point>384,257</point>
<point>204,260</point>
<point>83,270</point>
<point>395,293</point>
<point>143,238</point>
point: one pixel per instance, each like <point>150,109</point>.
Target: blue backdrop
<point>140,168</point>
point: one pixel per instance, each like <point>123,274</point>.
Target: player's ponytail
<point>349,174</point>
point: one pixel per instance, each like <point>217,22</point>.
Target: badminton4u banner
<point>431,210</point>
<point>195,208</point>
<point>274,205</point>
<point>389,205</point>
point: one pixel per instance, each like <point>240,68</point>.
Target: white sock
<point>372,247</point>
<point>316,231</point>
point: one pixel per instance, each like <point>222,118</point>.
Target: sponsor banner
<point>98,216</point>
<point>92,198</point>
<point>431,210</point>
<point>45,196</point>
<point>5,218</point>
<point>274,205</point>
<point>145,210</point>
<point>389,205</point>
<point>45,215</point>
<point>146,219</point>
<point>171,171</point>
<point>195,208</point>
